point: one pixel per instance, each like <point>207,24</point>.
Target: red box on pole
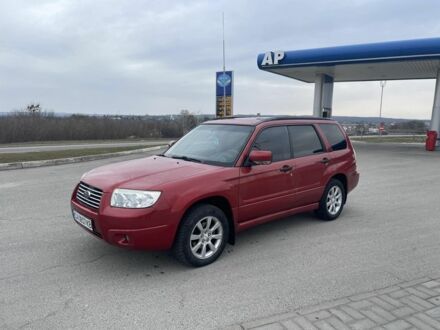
<point>431,139</point>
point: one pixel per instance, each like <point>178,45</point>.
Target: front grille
<point>88,195</point>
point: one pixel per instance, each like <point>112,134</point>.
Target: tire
<point>202,236</point>
<point>332,201</point>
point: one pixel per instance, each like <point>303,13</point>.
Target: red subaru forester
<point>222,177</point>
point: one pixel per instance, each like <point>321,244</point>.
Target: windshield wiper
<point>188,159</point>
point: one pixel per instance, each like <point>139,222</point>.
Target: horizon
<point>205,114</point>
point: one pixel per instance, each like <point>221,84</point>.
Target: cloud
<point>157,57</point>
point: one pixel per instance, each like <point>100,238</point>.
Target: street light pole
<point>382,85</point>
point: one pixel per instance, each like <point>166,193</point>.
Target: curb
<point>387,142</point>
<point>379,143</point>
<point>70,160</point>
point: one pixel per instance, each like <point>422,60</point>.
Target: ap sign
<point>224,79</point>
<point>272,58</point>
<point>224,83</point>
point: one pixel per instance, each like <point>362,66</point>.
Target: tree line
<point>34,125</point>
<point>417,126</point>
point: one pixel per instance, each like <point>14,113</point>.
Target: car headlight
<point>134,199</point>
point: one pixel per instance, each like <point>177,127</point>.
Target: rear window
<point>334,136</point>
<point>304,140</point>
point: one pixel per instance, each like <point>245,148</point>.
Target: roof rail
<point>237,116</point>
<point>295,117</point>
<point>265,118</point>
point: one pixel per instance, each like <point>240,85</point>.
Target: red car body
<point>248,195</point>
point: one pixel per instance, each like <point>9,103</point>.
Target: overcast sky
<point>158,57</point>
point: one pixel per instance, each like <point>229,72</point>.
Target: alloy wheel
<point>334,200</point>
<point>206,237</point>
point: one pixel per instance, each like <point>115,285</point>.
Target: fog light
<point>122,239</point>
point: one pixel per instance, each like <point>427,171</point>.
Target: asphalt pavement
<point>54,275</point>
<point>68,146</point>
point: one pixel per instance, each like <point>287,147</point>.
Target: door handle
<point>325,161</point>
<point>286,168</point>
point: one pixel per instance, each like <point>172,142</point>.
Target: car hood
<point>144,173</point>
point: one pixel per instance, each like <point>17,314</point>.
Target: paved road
<point>68,146</point>
<point>54,275</point>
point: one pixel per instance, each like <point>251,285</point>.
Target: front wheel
<point>202,236</point>
<point>332,201</point>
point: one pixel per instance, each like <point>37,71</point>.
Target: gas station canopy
<point>408,59</point>
<point>394,60</point>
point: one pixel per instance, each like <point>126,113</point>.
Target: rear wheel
<point>332,201</point>
<point>202,236</point>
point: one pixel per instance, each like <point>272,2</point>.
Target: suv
<point>222,177</point>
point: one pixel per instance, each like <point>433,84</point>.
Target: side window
<point>334,136</point>
<point>304,140</point>
<point>275,139</point>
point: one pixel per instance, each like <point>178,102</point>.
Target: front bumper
<point>145,229</point>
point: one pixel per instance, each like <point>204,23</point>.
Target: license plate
<point>82,220</point>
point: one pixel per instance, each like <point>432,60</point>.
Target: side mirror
<point>260,157</point>
<point>171,143</point>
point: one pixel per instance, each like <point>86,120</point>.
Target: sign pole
<point>224,62</point>
<point>382,85</point>
<point>224,83</point>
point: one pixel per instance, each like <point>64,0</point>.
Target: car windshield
<point>211,144</point>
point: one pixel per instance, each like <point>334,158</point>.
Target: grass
<point>68,142</point>
<point>390,138</point>
<point>45,155</point>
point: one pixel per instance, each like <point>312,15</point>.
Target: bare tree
<point>33,108</point>
<point>33,125</point>
<point>189,121</point>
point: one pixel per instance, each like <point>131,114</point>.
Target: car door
<point>310,161</point>
<point>267,189</point>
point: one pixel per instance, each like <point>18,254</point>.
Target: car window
<point>304,140</point>
<point>214,144</point>
<point>334,136</point>
<point>275,139</point>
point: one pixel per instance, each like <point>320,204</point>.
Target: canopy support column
<point>322,104</point>
<point>435,119</point>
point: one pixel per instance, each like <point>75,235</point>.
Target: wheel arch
<point>343,179</point>
<point>223,204</point>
